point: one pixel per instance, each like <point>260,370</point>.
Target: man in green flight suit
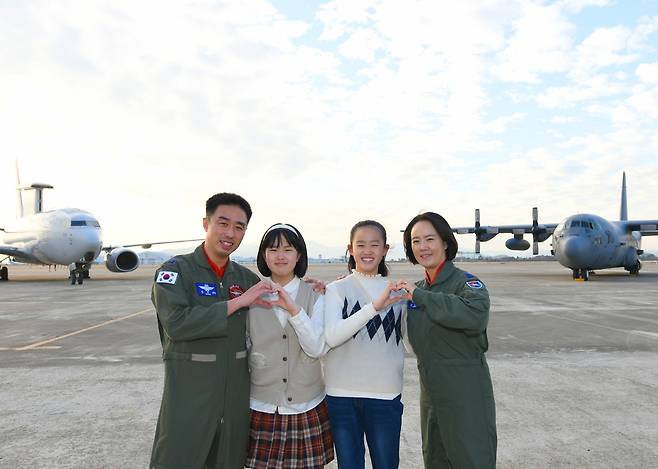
<point>447,327</point>
<point>201,300</point>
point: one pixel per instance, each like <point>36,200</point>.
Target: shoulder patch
<point>167,277</point>
<point>469,275</point>
<point>171,261</point>
<point>411,305</point>
<point>475,284</point>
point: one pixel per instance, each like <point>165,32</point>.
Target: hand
<point>253,295</point>
<point>285,301</point>
<point>318,285</point>
<point>405,285</point>
<point>385,299</point>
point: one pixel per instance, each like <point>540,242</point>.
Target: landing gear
<point>635,270</point>
<point>4,274</point>
<point>581,274</point>
<point>78,273</point>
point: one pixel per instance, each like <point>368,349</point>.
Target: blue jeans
<point>379,419</point>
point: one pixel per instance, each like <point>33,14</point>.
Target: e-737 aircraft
<point>67,236</point>
<point>582,242</point>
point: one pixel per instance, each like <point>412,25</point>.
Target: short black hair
<point>227,198</point>
<point>442,228</point>
<point>382,268</point>
<point>272,239</point>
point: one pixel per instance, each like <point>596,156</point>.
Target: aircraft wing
<point>13,251</point>
<point>514,229</point>
<point>148,245</point>
<point>646,227</point>
<point>539,232</point>
<point>9,250</point>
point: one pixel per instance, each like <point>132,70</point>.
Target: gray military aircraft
<point>582,242</point>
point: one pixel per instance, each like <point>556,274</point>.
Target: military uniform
<point>447,323</point>
<point>204,416</point>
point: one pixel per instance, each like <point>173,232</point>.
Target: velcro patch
<point>235,290</point>
<point>411,305</point>
<point>206,289</point>
<point>167,277</point>
<point>475,284</point>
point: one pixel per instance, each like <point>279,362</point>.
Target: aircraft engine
<point>487,236</point>
<point>516,244</point>
<point>122,260</point>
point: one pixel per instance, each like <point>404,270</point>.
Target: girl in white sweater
<point>364,322</point>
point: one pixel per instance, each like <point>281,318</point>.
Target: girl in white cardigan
<point>364,324</point>
<point>289,417</point>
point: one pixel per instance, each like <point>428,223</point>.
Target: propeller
<point>535,227</point>
<point>477,231</point>
<point>539,232</point>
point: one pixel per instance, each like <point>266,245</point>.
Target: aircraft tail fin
<point>34,199</point>
<point>623,212</point>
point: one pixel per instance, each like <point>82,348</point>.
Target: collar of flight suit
<point>446,271</point>
<point>200,259</point>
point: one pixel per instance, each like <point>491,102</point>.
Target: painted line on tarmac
<point>41,344</point>
<point>624,331</point>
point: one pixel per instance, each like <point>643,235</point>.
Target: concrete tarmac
<point>574,365</point>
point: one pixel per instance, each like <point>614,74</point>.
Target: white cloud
<point>563,119</point>
<point>648,72</point>
<point>540,44</point>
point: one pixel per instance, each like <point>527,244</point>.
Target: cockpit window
<point>93,223</point>
<point>574,223</point>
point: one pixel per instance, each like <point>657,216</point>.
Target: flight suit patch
<point>411,305</point>
<point>166,277</point>
<point>206,289</point>
<point>475,284</point>
<point>235,290</point>
<point>469,275</point>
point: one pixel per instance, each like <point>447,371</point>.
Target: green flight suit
<point>446,323</point>
<point>204,415</point>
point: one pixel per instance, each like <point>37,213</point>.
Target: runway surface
<point>574,366</point>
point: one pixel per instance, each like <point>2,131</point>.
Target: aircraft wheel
<point>575,274</point>
<point>73,277</point>
<point>4,274</point>
<point>636,269</point>
<point>81,277</point>
<point>585,275</point>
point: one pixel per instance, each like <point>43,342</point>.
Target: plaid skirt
<point>290,441</point>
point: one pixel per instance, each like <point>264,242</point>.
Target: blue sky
<point>325,113</point>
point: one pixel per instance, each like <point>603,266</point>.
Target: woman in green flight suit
<point>447,321</point>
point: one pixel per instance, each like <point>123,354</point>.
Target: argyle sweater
<point>366,355</point>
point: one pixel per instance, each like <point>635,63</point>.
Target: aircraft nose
<point>574,248</point>
<point>89,242</point>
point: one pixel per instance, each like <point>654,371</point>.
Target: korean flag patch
<point>475,284</point>
<point>206,289</point>
<point>166,277</point>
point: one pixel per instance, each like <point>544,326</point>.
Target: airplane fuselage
<point>591,242</point>
<point>58,237</point>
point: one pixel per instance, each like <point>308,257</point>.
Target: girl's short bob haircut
<point>272,239</point>
<point>382,268</point>
<point>442,228</point>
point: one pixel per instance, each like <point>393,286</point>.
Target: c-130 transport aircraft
<point>582,242</point>
<point>67,236</point>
